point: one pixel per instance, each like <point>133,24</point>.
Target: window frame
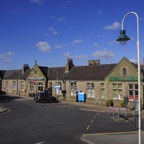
<point>124,71</point>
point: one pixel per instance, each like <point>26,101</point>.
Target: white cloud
<point>43,46</point>
<point>6,57</point>
<point>95,44</point>
<point>133,60</point>
<point>105,54</point>
<point>99,12</point>
<point>61,19</point>
<point>53,31</point>
<point>52,17</point>
<point>37,1</point>
<point>51,28</point>
<point>69,1</point>
<point>114,26</point>
<point>59,46</point>
<point>45,34</point>
<point>75,42</point>
<point>68,55</point>
<point>80,56</point>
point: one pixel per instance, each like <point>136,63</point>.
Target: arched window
<point>124,71</point>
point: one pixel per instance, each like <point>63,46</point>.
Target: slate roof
<point>44,70</point>
<point>16,74</point>
<point>26,74</point>
<point>97,72</point>
<point>93,72</point>
<point>56,73</point>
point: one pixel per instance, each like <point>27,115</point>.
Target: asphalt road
<point>28,122</point>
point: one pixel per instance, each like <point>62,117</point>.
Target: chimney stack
<point>25,67</point>
<point>69,65</point>
<point>94,62</point>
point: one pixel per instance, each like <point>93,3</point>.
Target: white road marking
<point>92,121</point>
<point>20,99</point>
<point>87,109</point>
<point>40,143</point>
<point>88,127</point>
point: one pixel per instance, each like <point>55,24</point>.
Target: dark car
<point>44,97</point>
<point>2,92</point>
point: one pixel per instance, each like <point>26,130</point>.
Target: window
<point>90,90</point>
<point>21,86</point>
<point>31,87</point>
<point>117,91</point>
<point>133,92</point>
<point>73,88</point>
<point>58,90</point>
<point>119,86</point>
<point>102,90</point>
<point>102,85</point>
<point>73,84</point>
<point>7,85</point>
<point>114,86</point>
<point>124,71</point>
<point>40,86</point>
<point>14,85</point>
<point>50,84</point>
<point>130,86</point>
<point>136,86</point>
<point>102,93</point>
<point>3,85</point>
<point>58,83</point>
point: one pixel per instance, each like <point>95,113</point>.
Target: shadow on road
<point>6,98</point>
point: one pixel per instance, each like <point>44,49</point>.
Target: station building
<point>99,82</point>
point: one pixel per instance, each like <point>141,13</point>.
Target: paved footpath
<point>113,138</point>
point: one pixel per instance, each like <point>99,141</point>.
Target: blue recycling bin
<point>81,97</point>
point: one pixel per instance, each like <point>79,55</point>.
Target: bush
<point>109,103</point>
<point>122,104</point>
<point>31,94</point>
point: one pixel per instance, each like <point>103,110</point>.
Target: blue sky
<point>50,31</point>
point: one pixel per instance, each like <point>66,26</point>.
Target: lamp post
<point>123,38</point>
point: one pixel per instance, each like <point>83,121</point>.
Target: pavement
<point>103,138</point>
<point>113,138</point>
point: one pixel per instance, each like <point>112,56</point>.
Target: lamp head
<point>123,38</point>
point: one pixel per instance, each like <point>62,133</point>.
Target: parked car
<point>44,97</point>
<point>2,92</point>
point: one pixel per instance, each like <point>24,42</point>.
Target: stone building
<point>99,82</point>
<point>36,80</point>
<point>14,81</point>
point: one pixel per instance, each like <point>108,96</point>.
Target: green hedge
<point>109,103</point>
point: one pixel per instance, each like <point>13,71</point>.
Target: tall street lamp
<point>123,38</point>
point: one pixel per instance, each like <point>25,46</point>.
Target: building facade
<point>99,82</point>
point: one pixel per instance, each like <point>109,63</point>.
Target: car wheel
<point>42,100</point>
